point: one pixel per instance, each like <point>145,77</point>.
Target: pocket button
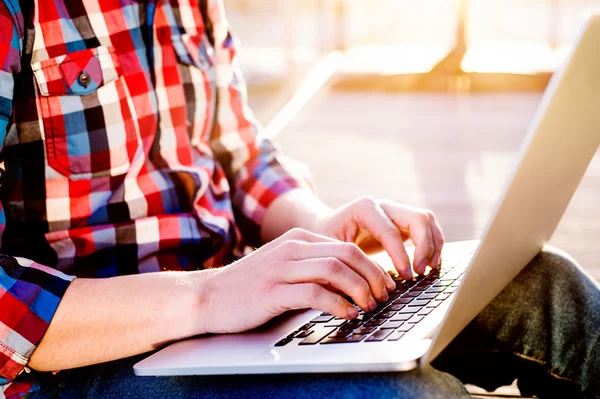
<point>84,79</point>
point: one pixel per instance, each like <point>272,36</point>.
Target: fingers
<point>422,228</point>
<point>312,295</point>
<point>350,255</point>
<point>438,240</point>
<point>333,272</point>
<point>370,216</point>
<point>420,233</point>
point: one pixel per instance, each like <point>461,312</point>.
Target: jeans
<point>542,329</point>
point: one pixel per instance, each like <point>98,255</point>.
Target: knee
<point>554,263</point>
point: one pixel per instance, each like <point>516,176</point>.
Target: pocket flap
<point>78,73</point>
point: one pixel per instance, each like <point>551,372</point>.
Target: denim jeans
<point>542,329</point>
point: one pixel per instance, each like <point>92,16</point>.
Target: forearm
<point>100,320</point>
<point>296,208</point>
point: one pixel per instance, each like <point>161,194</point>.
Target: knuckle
<point>380,277</point>
<point>351,250</point>
<point>296,232</point>
<point>338,304</point>
<point>391,230</point>
<point>334,265</point>
<point>423,217</point>
<point>364,289</point>
<point>312,292</point>
<point>292,246</point>
<point>367,200</point>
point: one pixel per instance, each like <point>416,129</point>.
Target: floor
<point>447,152</point>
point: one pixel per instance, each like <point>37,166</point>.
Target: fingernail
<point>372,304</point>
<point>352,312</point>
<point>422,266</point>
<point>384,296</point>
<point>434,260</point>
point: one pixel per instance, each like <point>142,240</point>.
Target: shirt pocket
<point>195,55</point>
<point>87,114</point>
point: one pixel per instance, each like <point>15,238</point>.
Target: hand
<point>374,225</point>
<point>297,270</point>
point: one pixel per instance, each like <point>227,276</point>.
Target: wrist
<point>201,312</point>
<point>188,311</point>
<point>310,212</point>
<point>298,208</point>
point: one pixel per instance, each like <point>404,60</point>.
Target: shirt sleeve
<point>254,168</point>
<point>29,292</point>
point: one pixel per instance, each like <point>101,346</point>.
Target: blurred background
<point>425,102</point>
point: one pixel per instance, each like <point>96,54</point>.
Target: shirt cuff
<point>269,178</point>
<point>29,296</point>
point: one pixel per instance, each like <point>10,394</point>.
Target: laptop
<point>423,315</point>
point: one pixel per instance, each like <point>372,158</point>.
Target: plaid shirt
<point>128,147</point>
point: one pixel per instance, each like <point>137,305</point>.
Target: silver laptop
<point>423,315</point>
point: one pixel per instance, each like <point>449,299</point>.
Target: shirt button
<point>84,79</point>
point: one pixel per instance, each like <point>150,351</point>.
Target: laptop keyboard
<point>407,305</point>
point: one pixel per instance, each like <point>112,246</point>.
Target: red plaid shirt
<point>128,148</point>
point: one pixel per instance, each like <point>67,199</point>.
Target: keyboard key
<point>367,316</point>
<point>335,323</point>
<point>427,296</point>
<point>379,335</point>
<point>322,319</point>
<point>326,314</point>
<point>318,334</point>
<point>405,327</point>
<point>443,296</point>
<point>434,304</point>
<point>401,317</point>
<point>419,302</point>
<point>364,330</point>
<point>303,334</point>
<point>340,334</point>
<point>391,324</point>
<point>375,322</point>
<point>396,335</point>
<point>410,309</point>
<point>354,322</point>
<point>435,289</point>
<point>284,341</point>
<point>344,340</point>
<point>385,315</point>
<point>402,301</point>
<point>415,319</point>
<point>307,326</point>
<point>425,312</point>
<point>400,290</point>
<point>449,290</point>
<point>412,294</point>
<point>438,285</point>
<point>394,308</point>
<point>420,287</point>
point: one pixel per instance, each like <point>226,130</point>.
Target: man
<point>129,150</point>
